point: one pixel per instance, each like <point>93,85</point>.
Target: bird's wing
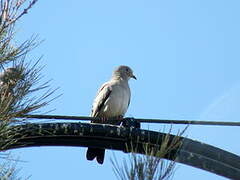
<point>129,98</point>
<point>102,96</point>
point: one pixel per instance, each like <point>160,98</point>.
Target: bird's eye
<point>127,69</point>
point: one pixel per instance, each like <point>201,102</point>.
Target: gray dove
<point>8,80</point>
<point>112,101</point>
<point>10,75</point>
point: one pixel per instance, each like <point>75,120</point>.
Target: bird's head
<point>124,72</point>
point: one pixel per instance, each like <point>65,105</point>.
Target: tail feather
<point>96,153</point>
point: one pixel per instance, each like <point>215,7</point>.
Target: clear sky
<point>185,55</point>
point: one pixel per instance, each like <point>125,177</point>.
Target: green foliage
<point>8,170</point>
<point>151,165</point>
<point>20,89</point>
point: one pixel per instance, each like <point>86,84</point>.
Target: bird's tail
<point>95,152</point>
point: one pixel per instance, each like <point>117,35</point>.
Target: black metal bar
<point>112,137</point>
<point>161,121</point>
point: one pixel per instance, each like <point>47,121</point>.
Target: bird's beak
<point>134,77</point>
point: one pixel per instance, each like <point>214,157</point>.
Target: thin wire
<point>161,121</point>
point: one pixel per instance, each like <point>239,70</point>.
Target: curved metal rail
<point>112,137</point>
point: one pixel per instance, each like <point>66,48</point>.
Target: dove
<point>112,101</point>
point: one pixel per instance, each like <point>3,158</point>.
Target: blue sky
<point>185,55</point>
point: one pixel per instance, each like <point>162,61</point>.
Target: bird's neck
<point>120,79</point>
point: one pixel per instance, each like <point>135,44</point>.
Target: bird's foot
<point>103,120</point>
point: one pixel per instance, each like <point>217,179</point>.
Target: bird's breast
<point>117,103</point>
